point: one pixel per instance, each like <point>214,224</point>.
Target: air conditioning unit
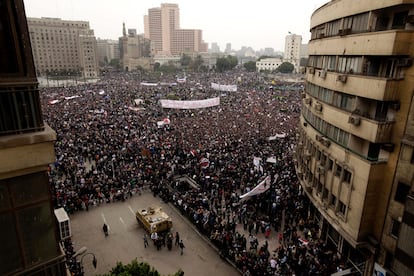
<point>321,35</point>
<point>326,142</point>
<point>300,175</point>
<point>320,169</point>
<point>309,189</point>
<point>395,105</point>
<point>404,62</point>
<point>322,74</point>
<point>308,101</point>
<point>318,138</point>
<point>410,18</point>
<point>388,147</point>
<point>311,70</point>
<point>303,95</point>
<point>341,78</point>
<point>356,121</point>
<point>346,31</point>
<point>318,107</point>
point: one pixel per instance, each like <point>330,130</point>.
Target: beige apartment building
<point>29,237</point>
<point>293,43</point>
<point>162,27</point>
<point>63,46</point>
<point>107,50</point>
<point>355,154</point>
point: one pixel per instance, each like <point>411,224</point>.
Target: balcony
<point>381,89</point>
<point>385,43</point>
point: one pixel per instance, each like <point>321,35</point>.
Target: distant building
<point>107,50</point>
<point>269,52</point>
<point>63,46</point>
<point>135,50</point>
<point>162,27</point>
<point>214,48</point>
<point>292,50</point>
<point>228,48</point>
<point>268,64</point>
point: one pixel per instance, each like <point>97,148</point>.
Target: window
<point>412,157</point>
<point>338,170</point>
<point>333,200</point>
<point>399,20</point>
<point>401,192</point>
<point>342,208</point>
<point>330,164</point>
<point>395,228</point>
<point>347,176</point>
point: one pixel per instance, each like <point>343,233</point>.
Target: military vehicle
<point>153,219</point>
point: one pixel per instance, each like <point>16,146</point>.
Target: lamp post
<point>82,252</point>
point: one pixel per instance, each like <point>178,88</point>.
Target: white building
<point>292,54</point>
<point>268,64</point>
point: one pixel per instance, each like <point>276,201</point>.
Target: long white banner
<point>259,189</point>
<point>190,104</point>
<point>222,87</point>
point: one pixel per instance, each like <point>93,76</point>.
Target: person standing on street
<point>181,247</point>
<point>145,241</point>
<point>177,239</point>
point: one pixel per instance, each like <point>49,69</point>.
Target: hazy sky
<point>258,24</point>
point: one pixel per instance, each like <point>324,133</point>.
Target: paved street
<point>125,242</point>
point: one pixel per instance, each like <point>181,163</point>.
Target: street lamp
<point>82,252</point>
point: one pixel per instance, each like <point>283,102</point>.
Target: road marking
<point>122,221</point>
<point>130,208</point>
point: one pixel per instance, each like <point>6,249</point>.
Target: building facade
<point>162,27</point>
<point>292,53</point>
<point>135,50</point>
<point>63,46</point>
<point>355,150</point>
<point>29,237</point>
<point>107,50</point>
<point>268,64</point>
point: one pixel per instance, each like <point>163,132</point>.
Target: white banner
<point>281,135</point>
<point>190,104</point>
<point>149,84</point>
<point>222,87</point>
<point>259,189</point>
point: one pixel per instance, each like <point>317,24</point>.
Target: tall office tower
<point>292,49</point>
<point>228,48</point>
<point>355,155</point>
<point>62,46</point>
<point>29,236</point>
<point>162,27</point>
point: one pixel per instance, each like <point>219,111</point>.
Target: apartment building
<point>63,46</point>
<point>292,53</point>
<point>268,64</point>
<point>29,236</point>
<point>162,27</point>
<point>355,151</point>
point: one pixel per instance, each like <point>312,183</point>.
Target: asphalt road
<point>125,241</point>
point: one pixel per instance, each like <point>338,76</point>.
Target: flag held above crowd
<point>259,189</point>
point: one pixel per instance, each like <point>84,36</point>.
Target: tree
<point>115,63</point>
<point>136,269</point>
<point>185,60</point>
<point>226,63</point>
<point>285,67</point>
<point>250,66</point>
<point>157,66</point>
<point>197,62</point>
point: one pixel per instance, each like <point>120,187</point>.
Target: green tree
<point>137,269</point>
<point>285,67</point>
<point>185,60</point>
<point>250,66</point>
<point>226,63</point>
<point>115,63</point>
<point>197,63</point>
<point>157,66</point>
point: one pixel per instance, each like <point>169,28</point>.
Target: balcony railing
<point>20,110</point>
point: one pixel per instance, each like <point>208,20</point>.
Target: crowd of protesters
<point>109,147</point>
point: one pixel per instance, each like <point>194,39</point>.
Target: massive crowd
<point>109,146</point>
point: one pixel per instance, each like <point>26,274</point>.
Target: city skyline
<point>269,17</point>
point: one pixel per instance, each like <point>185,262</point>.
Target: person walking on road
<point>181,247</point>
<point>177,239</point>
<point>145,241</point>
<point>105,229</point>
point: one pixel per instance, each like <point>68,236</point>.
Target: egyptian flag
<point>204,163</point>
